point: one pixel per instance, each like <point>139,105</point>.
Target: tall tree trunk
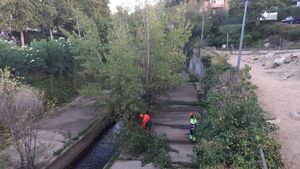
<point>78,28</point>
<point>51,33</point>
<point>22,39</point>
<point>148,45</point>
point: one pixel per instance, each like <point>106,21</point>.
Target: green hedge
<point>232,129</point>
<point>48,65</point>
<point>140,143</point>
<point>57,89</point>
<point>285,31</point>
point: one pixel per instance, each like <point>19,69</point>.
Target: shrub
<point>290,11</point>
<point>292,35</point>
<point>21,108</point>
<point>55,57</point>
<point>57,89</point>
<point>139,143</point>
<point>256,35</point>
<point>48,65</point>
<point>248,38</point>
<point>233,128</point>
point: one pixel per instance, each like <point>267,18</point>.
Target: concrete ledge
<point>134,164</point>
<point>172,134</point>
<point>183,154</point>
<point>68,155</point>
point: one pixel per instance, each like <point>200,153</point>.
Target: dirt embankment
<point>277,76</point>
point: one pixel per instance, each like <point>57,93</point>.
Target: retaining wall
<point>79,146</point>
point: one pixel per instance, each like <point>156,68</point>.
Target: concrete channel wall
<point>72,152</point>
<point>196,66</point>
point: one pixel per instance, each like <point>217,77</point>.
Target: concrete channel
<point>93,150</point>
<point>100,151</point>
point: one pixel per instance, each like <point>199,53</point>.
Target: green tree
<point>255,9</point>
<point>48,13</point>
<point>118,78</point>
<point>20,15</point>
<point>92,8</point>
<point>168,32</point>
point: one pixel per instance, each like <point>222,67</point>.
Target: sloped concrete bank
<point>77,147</point>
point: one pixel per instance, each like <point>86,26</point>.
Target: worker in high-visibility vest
<point>193,124</point>
<point>146,120</point>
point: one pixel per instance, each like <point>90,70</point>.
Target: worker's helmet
<point>191,114</point>
<point>141,116</point>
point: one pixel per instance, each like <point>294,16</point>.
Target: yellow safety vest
<point>194,121</point>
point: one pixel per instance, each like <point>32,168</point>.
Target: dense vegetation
<point>108,62</point>
<point>127,60</point>
<point>47,65</point>
<point>144,59</point>
<point>232,127</point>
<point>221,22</point>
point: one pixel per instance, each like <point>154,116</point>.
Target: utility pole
<point>227,42</point>
<point>242,35</point>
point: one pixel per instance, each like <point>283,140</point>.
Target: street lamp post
<point>242,35</point>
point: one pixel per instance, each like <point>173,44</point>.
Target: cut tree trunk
<point>22,39</point>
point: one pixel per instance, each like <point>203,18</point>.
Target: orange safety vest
<point>146,119</point>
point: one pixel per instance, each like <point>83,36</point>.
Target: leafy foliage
<point>137,142</point>
<point>20,14</point>
<point>289,11</point>
<point>255,8</point>
<point>114,72</point>
<point>232,128</point>
<point>48,65</point>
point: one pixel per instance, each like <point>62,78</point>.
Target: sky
<point>128,4</point>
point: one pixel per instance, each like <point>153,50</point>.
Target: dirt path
<point>279,96</point>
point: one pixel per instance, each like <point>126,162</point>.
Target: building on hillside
<point>216,4</point>
<point>295,3</point>
<point>209,5</point>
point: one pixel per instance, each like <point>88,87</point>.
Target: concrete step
<point>185,92</point>
<point>174,118</point>
<point>183,154</point>
<point>133,164</point>
<point>175,126</point>
<point>180,108</point>
<point>173,135</point>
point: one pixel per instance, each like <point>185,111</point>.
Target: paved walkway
<point>175,123</point>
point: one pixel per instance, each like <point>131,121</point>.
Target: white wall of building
<point>217,1</point>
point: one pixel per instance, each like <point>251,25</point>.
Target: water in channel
<point>99,153</point>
